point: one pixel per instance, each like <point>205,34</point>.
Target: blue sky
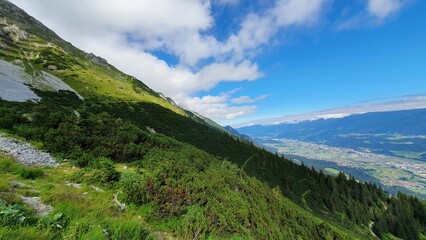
<point>323,67</point>
<point>239,60</point>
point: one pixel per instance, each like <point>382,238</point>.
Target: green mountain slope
<point>184,178</point>
<point>41,50</point>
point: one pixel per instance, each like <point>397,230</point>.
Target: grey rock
<point>40,208</point>
<point>16,33</point>
<point>74,185</point>
<point>97,60</point>
<point>52,67</point>
<point>26,154</point>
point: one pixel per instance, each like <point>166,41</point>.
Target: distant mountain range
<point>381,132</point>
<point>388,148</point>
<point>408,102</point>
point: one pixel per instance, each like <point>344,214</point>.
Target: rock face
<point>10,30</point>
<point>97,60</point>
<point>16,33</point>
<point>26,154</point>
<point>3,34</point>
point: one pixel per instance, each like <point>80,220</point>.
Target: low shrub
<point>105,171</point>
<point>134,186</point>
<point>30,172</point>
<point>195,224</point>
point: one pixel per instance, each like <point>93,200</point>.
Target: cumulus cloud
<point>128,33</point>
<point>290,12</point>
<point>383,8</point>
<point>220,106</point>
<point>374,13</point>
<point>258,29</point>
<point>247,99</point>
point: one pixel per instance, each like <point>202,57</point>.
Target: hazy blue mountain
<point>381,132</point>
<point>234,132</point>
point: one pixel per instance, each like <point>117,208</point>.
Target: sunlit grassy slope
<point>87,74</point>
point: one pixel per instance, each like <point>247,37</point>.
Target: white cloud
<point>374,14</point>
<point>383,8</point>
<point>247,99</point>
<point>211,74</point>
<point>258,29</point>
<point>297,12</point>
<point>177,82</point>
<point>126,33</point>
<point>219,107</point>
<point>174,25</point>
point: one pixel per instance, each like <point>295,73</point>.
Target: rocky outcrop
<point>16,33</point>
<point>97,60</point>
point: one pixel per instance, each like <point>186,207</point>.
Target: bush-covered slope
<point>186,178</point>
<point>176,180</point>
<point>178,189</point>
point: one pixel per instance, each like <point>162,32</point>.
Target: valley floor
<point>394,173</point>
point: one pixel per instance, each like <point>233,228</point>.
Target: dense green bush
<point>105,171</point>
<point>135,187</point>
<point>30,172</point>
<point>195,224</point>
<point>215,198</point>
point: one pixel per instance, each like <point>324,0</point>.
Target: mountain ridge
<point>134,88</point>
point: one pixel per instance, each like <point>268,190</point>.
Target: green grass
<point>10,166</point>
<point>389,236</point>
<point>84,213</point>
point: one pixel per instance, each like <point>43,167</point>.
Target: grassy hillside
<point>183,177</point>
<point>87,74</point>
